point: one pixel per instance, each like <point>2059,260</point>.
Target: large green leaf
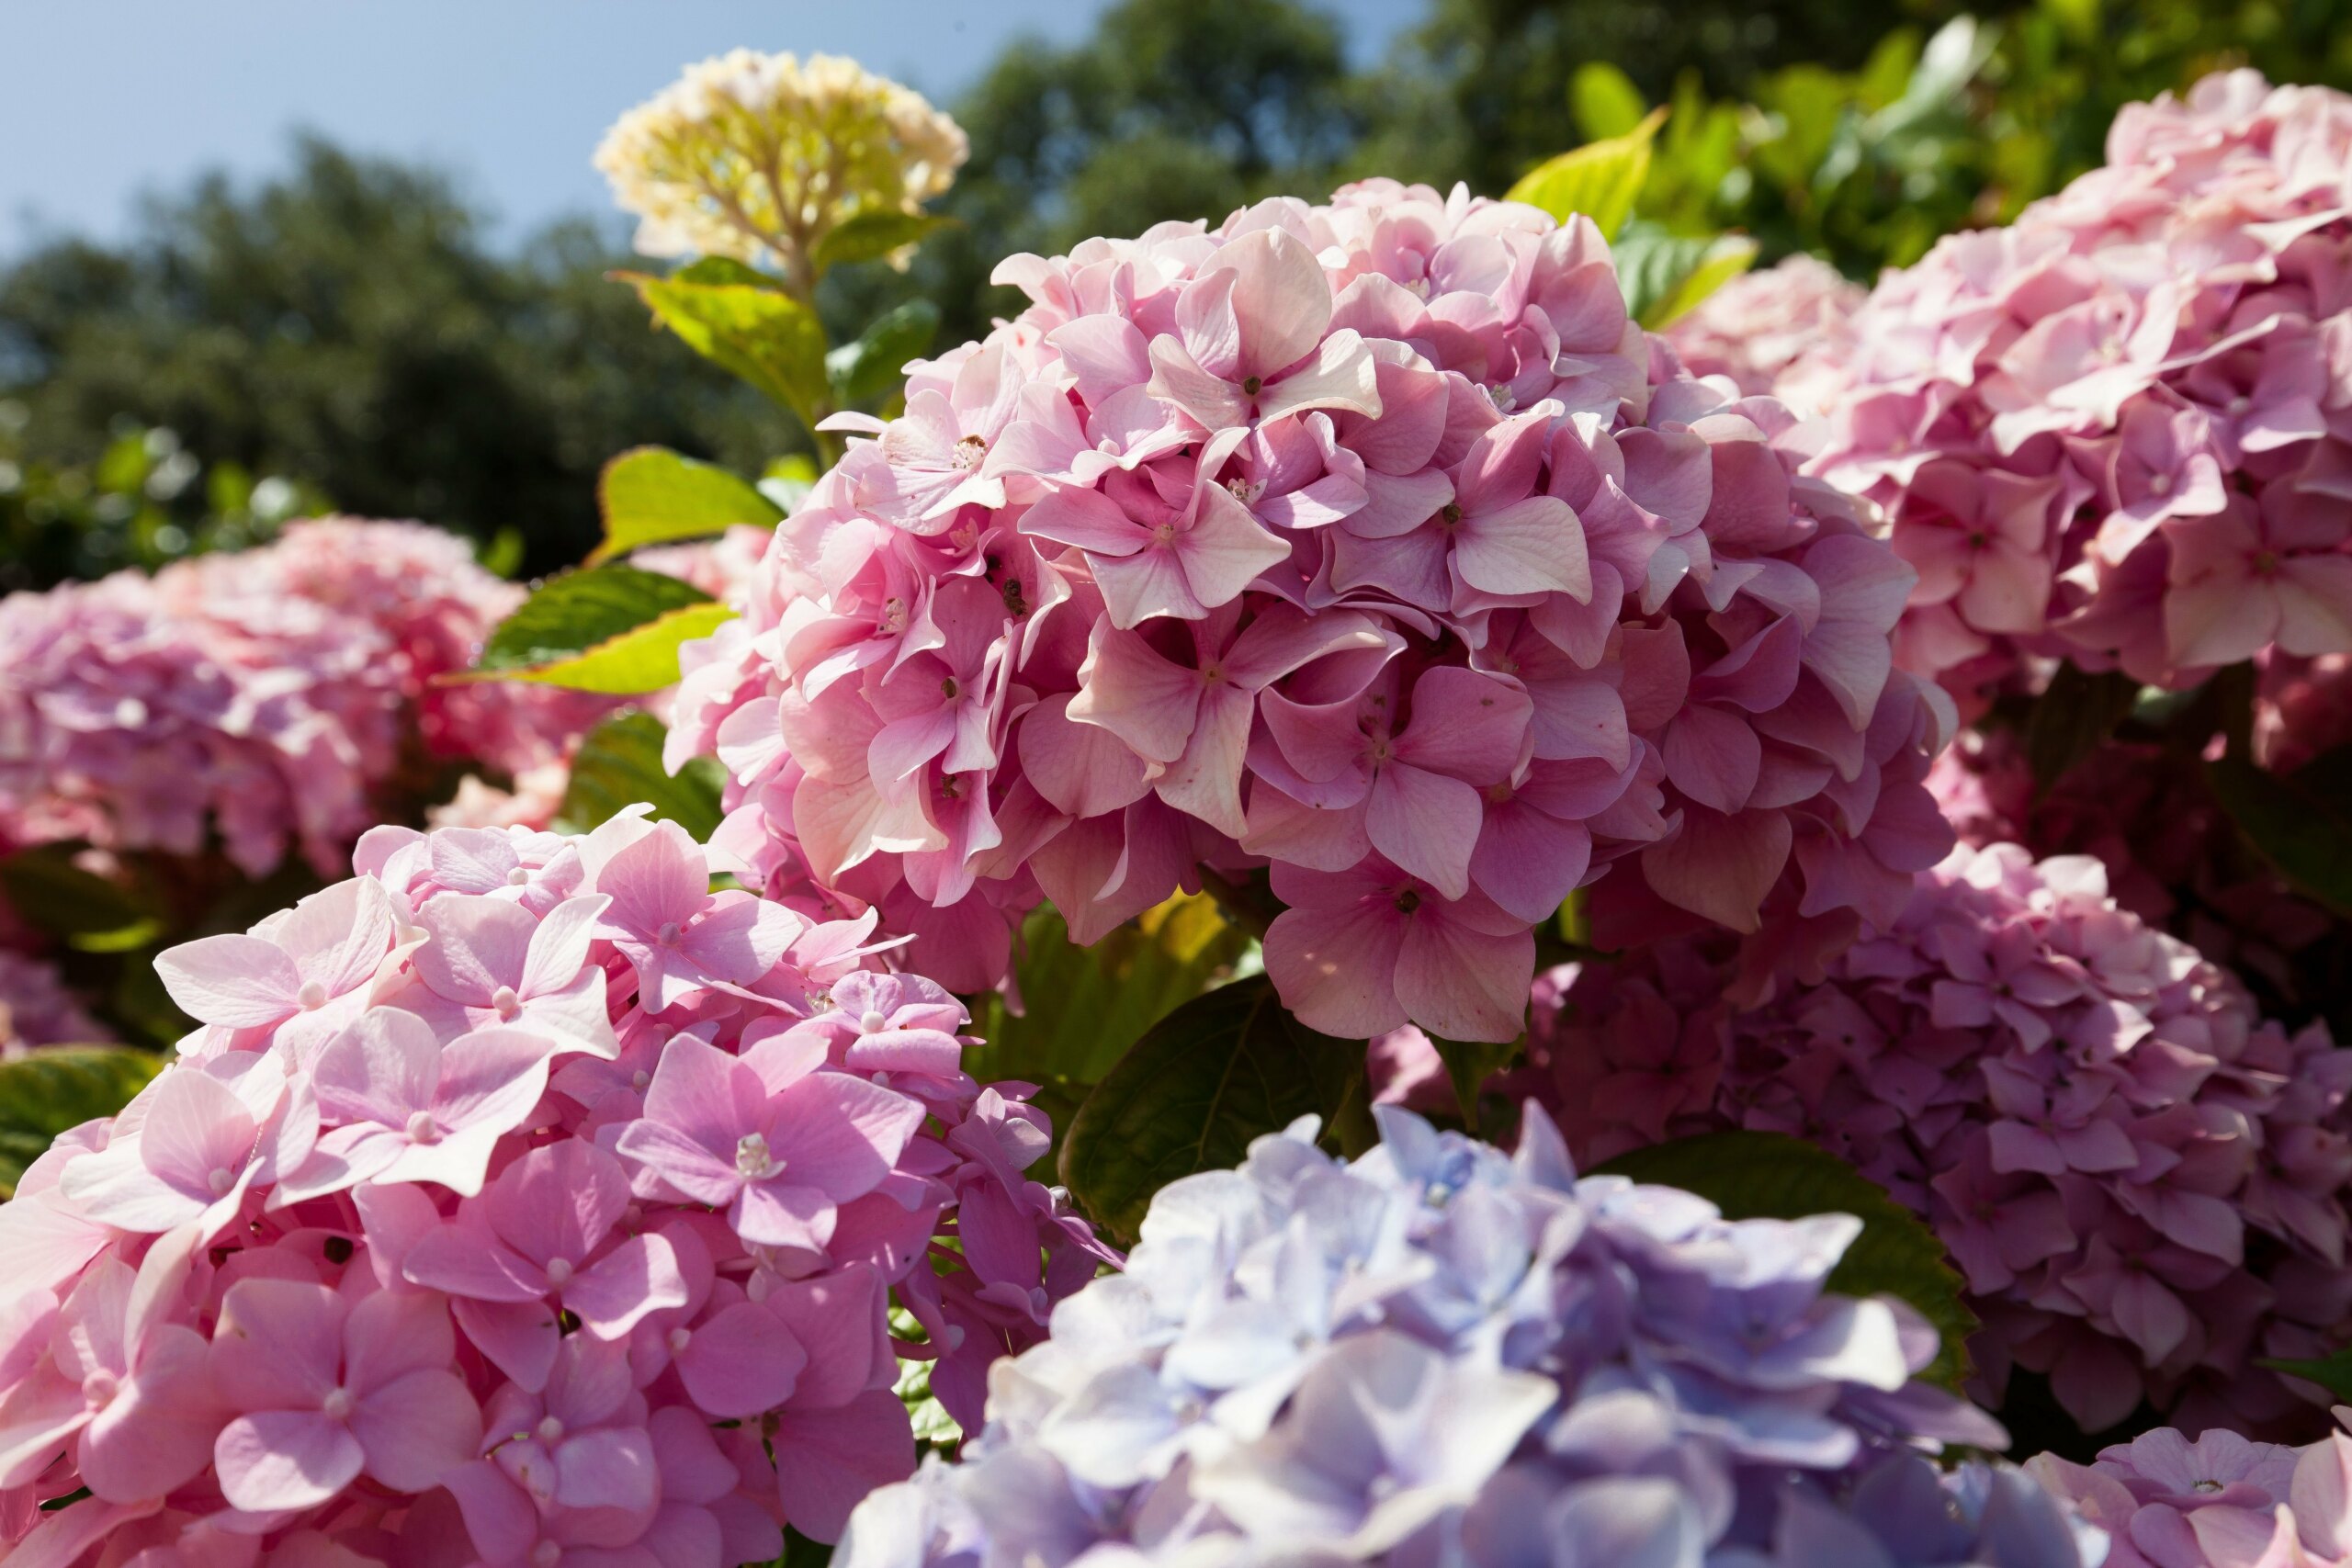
<point>875,233</point>
<point>1082,1007</point>
<point>1204,1081</point>
<point>620,764</point>
<point>1604,101</point>
<point>57,1088</point>
<point>870,368</point>
<point>52,893</point>
<point>652,496</point>
<point>1469,1063</point>
<point>2302,824</point>
<point>741,320</point>
<point>1600,179</point>
<point>2073,715</point>
<point>1666,274</point>
<point>1770,1176</point>
<point>603,628</point>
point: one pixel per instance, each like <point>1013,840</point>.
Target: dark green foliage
<point>347,324</point>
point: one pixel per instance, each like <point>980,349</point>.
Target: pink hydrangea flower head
<point>1360,543</point>
<point>519,1199</point>
<point>262,695</point>
<point>2138,1178</point>
<point>2114,431</point>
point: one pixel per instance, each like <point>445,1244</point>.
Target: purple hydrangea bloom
<point>1445,1353</point>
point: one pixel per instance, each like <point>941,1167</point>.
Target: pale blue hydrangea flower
<point>1442,1355</point>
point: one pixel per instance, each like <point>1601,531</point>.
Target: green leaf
<point>739,320</point>
<point>1600,179</point>
<point>651,496</point>
<point>2302,824</point>
<point>58,1087</point>
<point>620,764</point>
<point>870,368</point>
<point>1664,275</point>
<point>1724,259</point>
<point>603,628</point>
<point>2332,1372</point>
<point>1084,1006</point>
<point>1469,1063</point>
<point>877,232</point>
<point>502,557</point>
<point>2072,717</point>
<point>1770,1176</point>
<point>1604,100</point>
<point>1219,1071</point>
<point>53,895</point>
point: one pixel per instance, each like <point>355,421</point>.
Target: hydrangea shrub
<point>523,1195</point>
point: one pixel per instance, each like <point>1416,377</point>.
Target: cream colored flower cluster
<point>759,156</point>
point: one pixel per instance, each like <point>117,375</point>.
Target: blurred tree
<point>1165,112</point>
<point>347,324</point>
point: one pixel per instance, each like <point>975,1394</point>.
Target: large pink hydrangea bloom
<point>268,695</point>
<point>2116,430</point>
<point>2138,1178</point>
<point>1370,543</point>
<point>519,1200</point>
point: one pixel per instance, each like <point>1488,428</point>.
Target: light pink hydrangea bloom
<point>266,695</point>
<point>1761,326</point>
<point>1370,544</point>
<point>2219,1501</point>
<point>2138,1177</point>
<point>2119,430</point>
<point>517,1200</point>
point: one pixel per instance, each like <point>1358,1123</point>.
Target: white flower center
<point>752,1160</point>
<point>99,1388</point>
<point>2160,483</point>
<point>669,934</point>
<point>547,1555</point>
<point>505,1003</point>
<point>220,1179</point>
<point>311,997</point>
<point>679,1339</point>
<point>559,1271</point>
<point>518,877</point>
<point>639,1079</point>
<point>872,1023</point>
<point>422,1129</point>
<point>337,1405</point>
<point>551,1431</point>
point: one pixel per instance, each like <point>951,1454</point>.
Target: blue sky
<point>110,98</point>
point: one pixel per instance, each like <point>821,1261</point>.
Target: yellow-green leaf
<point>740,321</point>
<point>652,496</point>
<point>875,233</point>
<point>1605,101</point>
<point>603,628</point>
<point>1600,179</point>
<point>1724,258</point>
<point>642,659</point>
<point>58,1087</point>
